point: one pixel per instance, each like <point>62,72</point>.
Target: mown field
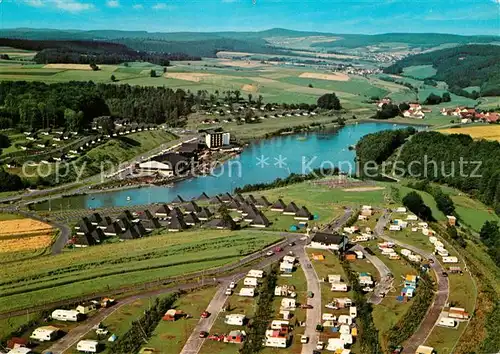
<point>95,269</point>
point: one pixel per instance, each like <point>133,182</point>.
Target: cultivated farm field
<point>489,132</point>
<point>79,272</point>
<point>21,235</point>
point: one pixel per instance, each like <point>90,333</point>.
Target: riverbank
<point>260,162</point>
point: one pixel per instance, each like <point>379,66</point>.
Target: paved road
<point>79,332</point>
<point>45,194</point>
<point>386,280</point>
<point>441,298</point>
<point>314,314</point>
<point>194,343</point>
<point>337,223</point>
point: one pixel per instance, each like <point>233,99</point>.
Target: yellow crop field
<point>26,243</point>
<point>22,226</point>
<point>490,132</point>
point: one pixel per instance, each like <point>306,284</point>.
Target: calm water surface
<point>263,161</point>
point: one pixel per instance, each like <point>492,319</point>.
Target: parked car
<point>291,244</point>
<point>101,332</point>
<point>331,306</point>
<point>306,306</point>
<point>232,285</point>
<point>229,291</point>
<point>444,274</point>
<point>304,339</point>
<point>269,253</point>
<point>278,249</point>
<point>320,345</point>
<point>397,350</point>
<point>205,314</point>
<point>203,334</point>
<point>310,294</point>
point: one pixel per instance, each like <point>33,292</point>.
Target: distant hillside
<point>419,40</point>
<point>203,48</point>
<point>460,67</point>
<point>86,52</point>
<point>207,43</point>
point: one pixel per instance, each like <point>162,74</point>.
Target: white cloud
<point>113,3</point>
<point>138,6</point>
<point>65,5</point>
<point>159,6</point>
<point>72,5</point>
<point>34,3</point>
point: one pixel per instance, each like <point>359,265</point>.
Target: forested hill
<point>204,48</point>
<point>413,40</point>
<point>460,67</point>
<point>86,52</point>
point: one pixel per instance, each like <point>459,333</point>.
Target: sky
<point>335,16</point>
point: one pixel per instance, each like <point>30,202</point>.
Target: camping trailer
<point>235,319</point>
<point>447,322</point>
<point>339,287</point>
<point>254,273</point>
<point>450,259</point>
<point>250,281</point>
<point>46,333</point>
<point>66,315</point>
<point>247,292</point>
<point>87,346</point>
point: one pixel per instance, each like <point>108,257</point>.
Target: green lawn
<point>326,203</point>
<point>112,266</point>
<point>170,337</point>
<point>420,71</point>
<point>5,216</point>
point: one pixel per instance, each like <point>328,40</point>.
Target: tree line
<point>87,52</point>
<point>456,160</point>
<point>74,105</point>
<point>263,315</point>
<point>378,147</point>
<point>460,67</point>
<point>142,329</point>
<point>368,336</point>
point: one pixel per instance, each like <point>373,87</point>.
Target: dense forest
<point>460,67</point>
<point>87,52</point>
<point>202,48</point>
<point>73,105</point>
<point>377,147</point>
<point>456,160</point>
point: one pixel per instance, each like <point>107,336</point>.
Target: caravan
<point>250,282</point>
<point>247,292</point>
<point>254,273</point>
<point>66,315</point>
<point>339,287</point>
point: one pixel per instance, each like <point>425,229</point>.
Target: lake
<point>260,162</point>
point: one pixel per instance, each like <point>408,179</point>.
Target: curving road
<point>386,280</point>
<point>441,298</point>
<point>76,334</point>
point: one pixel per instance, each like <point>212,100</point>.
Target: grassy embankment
<point>109,267</point>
